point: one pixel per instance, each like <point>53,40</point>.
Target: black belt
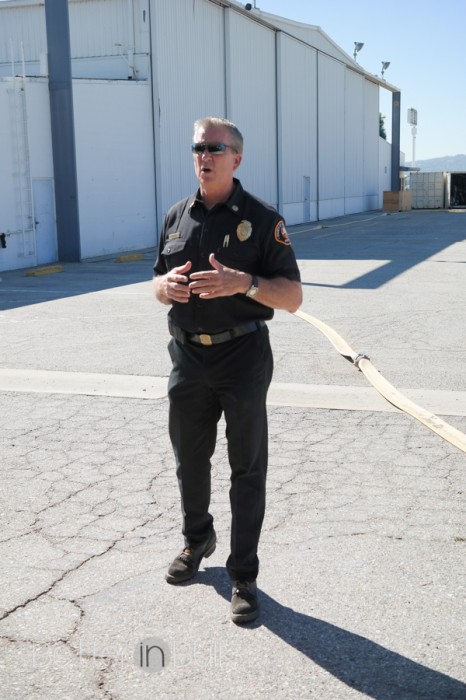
<point>208,339</point>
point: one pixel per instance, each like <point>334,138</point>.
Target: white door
<point>45,222</point>
<point>306,198</point>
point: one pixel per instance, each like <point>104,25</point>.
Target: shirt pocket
<point>175,253</point>
<point>238,255</point>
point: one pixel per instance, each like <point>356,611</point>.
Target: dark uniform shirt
<point>244,233</point>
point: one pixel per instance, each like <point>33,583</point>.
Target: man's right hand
<point>174,285</point>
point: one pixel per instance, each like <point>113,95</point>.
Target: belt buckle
<point>205,339</point>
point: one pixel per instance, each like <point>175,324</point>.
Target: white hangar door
<point>44,221</point>
<point>252,101</point>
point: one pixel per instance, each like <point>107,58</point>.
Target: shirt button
<point>235,208</point>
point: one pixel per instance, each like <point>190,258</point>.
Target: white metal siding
<point>115,166</point>
<point>39,128</point>
<point>371,145</point>
<point>331,101</point>
<point>141,15</point>
<point>108,38</point>
<point>354,137</point>
<point>252,102</point>
<point>22,33</point>
<point>310,123</point>
<point>34,137</point>
<point>188,61</point>
<point>9,255</point>
<point>99,28</point>
<point>385,175</point>
<point>298,126</point>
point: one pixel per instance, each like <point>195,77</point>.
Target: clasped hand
<point>221,281</point>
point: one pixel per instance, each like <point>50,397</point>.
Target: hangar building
<point>142,72</point>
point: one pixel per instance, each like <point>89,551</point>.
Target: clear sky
<point>425,42</point>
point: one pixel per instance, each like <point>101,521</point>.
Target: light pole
<point>412,119</point>
<point>357,48</point>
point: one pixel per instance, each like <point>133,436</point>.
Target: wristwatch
<point>254,288</point>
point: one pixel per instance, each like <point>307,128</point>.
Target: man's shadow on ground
<point>356,661</point>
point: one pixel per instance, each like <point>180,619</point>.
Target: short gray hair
<point>235,133</point>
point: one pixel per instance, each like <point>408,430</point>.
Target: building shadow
<point>356,661</point>
<point>400,241</point>
<point>18,289</point>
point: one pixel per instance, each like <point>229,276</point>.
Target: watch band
<point>254,288</point>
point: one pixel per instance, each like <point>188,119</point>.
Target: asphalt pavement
<point>362,584</point>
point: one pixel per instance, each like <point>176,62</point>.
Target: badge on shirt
<point>244,230</point>
<point>172,236</point>
<point>281,235</point>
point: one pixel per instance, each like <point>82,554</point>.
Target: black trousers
<point>232,378</point>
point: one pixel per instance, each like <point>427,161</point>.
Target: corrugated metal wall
<point>354,141</point>
<point>116,30</point>
<point>25,153</point>
<point>310,120</point>
<point>371,147</point>
<point>252,101</point>
<point>115,166</point>
<point>108,34</point>
<point>211,61</point>
<point>297,111</point>
<point>331,137</point>
<point>22,33</point>
<point>188,67</point>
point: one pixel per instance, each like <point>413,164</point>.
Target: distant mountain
<point>449,164</point>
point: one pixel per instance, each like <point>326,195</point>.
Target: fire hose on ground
<point>387,390</point>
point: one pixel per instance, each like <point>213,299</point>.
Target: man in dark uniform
<point>224,263</point>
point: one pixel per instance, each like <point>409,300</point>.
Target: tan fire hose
<point>387,390</point>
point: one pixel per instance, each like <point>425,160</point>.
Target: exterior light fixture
<point>357,47</point>
<point>385,65</point>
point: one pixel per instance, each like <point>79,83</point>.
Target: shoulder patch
<point>281,235</point>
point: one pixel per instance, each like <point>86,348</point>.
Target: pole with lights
<point>357,48</point>
<point>412,120</point>
<point>385,65</point>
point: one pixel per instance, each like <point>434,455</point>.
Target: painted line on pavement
<point>347,398</point>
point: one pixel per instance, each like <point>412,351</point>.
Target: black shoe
<point>244,603</point>
<point>186,564</point>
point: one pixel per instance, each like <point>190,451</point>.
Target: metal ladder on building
<point>24,206</point>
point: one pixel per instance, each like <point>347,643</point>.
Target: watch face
<point>254,288</point>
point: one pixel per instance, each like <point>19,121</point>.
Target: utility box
<point>397,200</point>
<point>428,190</point>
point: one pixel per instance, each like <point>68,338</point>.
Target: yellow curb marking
<point>51,270</point>
<point>129,258</point>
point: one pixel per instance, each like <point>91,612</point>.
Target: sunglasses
<point>215,149</point>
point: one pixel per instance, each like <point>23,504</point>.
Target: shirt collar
<point>234,203</point>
